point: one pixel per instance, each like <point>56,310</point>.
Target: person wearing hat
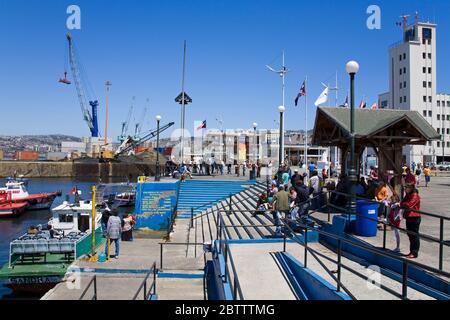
<point>411,206</point>
<point>280,206</point>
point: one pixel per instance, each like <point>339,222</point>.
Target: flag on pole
<point>374,106</point>
<point>301,93</point>
<point>322,98</point>
<point>202,125</point>
<point>362,105</point>
<point>345,105</point>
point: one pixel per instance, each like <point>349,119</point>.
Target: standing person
<point>244,165</point>
<point>413,166</point>
<point>280,206</point>
<point>418,173</point>
<point>104,220</point>
<point>113,231</point>
<point>229,167</point>
<point>221,166</point>
<point>258,168</point>
<point>427,174</point>
<point>314,183</point>
<point>127,227</point>
<point>382,196</point>
<point>311,168</point>
<point>374,173</point>
<point>411,205</point>
<point>395,218</point>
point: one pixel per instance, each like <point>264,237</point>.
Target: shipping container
<point>26,155</point>
<point>56,156</point>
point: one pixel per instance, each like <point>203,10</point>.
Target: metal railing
<point>174,214</point>
<point>93,281</point>
<point>161,253</point>
<point>441,218</point>
<point>152,290</point>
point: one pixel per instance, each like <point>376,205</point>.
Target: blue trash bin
<point>366,219</point>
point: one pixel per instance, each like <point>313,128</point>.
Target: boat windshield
<point>66,217</point>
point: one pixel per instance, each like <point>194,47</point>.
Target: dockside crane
<point>123,134</point>
<point>138,125</point>
<point>130,144</point>
<point>79,77</point>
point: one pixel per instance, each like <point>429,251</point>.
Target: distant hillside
<point>41,143</point>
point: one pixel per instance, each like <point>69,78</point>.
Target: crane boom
<point>129,144</point>
<point>91,119</point>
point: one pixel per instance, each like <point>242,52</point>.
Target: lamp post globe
<point>352,67</point>
<point>281,109</point>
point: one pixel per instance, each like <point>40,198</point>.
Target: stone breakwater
<point>68,169</point>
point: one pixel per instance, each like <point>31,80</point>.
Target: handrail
<point>173,214</point>
<point>376,251</point>
<point>225,250</point>
<point>152,290</point>
<point>434,215</point>
<point>440,241</point>
<point>92,281</point>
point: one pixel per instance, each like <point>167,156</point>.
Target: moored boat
<point>17,188</point>
<point>39,259</point>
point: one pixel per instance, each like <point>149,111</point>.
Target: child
<point>394,218</point>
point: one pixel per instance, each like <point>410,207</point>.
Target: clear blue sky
<point>138,46</point>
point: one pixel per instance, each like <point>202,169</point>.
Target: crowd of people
<point>211,166</point>
<point>392,207</point>
<point>291,195</point>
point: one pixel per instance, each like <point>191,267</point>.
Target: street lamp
<point>352,68</point>
<point>281,109</point>
<point>157,174</point>
<point>255,142</point>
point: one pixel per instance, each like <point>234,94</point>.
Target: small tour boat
<point>125,199</point>
<point>17,188</point>
<point>39,259</point>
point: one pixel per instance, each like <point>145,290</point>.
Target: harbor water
<point>11,228</point>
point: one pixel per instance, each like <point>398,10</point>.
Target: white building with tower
<point>413,86</point>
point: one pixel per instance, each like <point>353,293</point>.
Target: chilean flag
<point>202,125</point>
<point>301,93</point>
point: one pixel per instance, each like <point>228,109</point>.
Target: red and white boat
<point>9,208</point>
<point>19,194</point>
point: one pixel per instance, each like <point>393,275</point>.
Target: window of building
<point>448,144</point>
<point>401,99</point>
<point>424,41</point>
<point>424,113</point>
<point>404,70</point>
<point>424,55</point>
<point>443,103</point>
<point>429,84</point>
<point>430,114</point>
<point>401,85</point>
<point>438,130</point>
<point>424,84</point>
<point>438,144</point>
<point>429,70</point>
<point>430,99</point>
<point>400,58</point>
<point>404,99</point>
<point>424,98</point>
<point>424,69</point>
<point>448,103</point>
<point>438,103</point>
<point>448,131</point>
<point>400,71</point>
<point>439,117</point>
<point>448,117</point>
<point>429,56</point>
<point>404,56</point>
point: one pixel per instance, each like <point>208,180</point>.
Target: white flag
<point>322,98</point>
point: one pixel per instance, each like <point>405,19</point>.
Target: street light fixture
<point>352,68</point>
<point>157,173</point>
<point>281,109</point>
<point>255,142</point>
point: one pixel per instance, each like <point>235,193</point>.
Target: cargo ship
<point>39,259</point>
<point>16,188</point>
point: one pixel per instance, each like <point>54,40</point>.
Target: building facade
<point>413,86</point>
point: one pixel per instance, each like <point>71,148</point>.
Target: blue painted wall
<point>155,202</point>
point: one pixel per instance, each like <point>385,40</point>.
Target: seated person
<point>185,171</point>
<point>262,205</point>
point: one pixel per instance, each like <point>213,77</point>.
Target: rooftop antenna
<point>405,21</point>
<point>282,73</point>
